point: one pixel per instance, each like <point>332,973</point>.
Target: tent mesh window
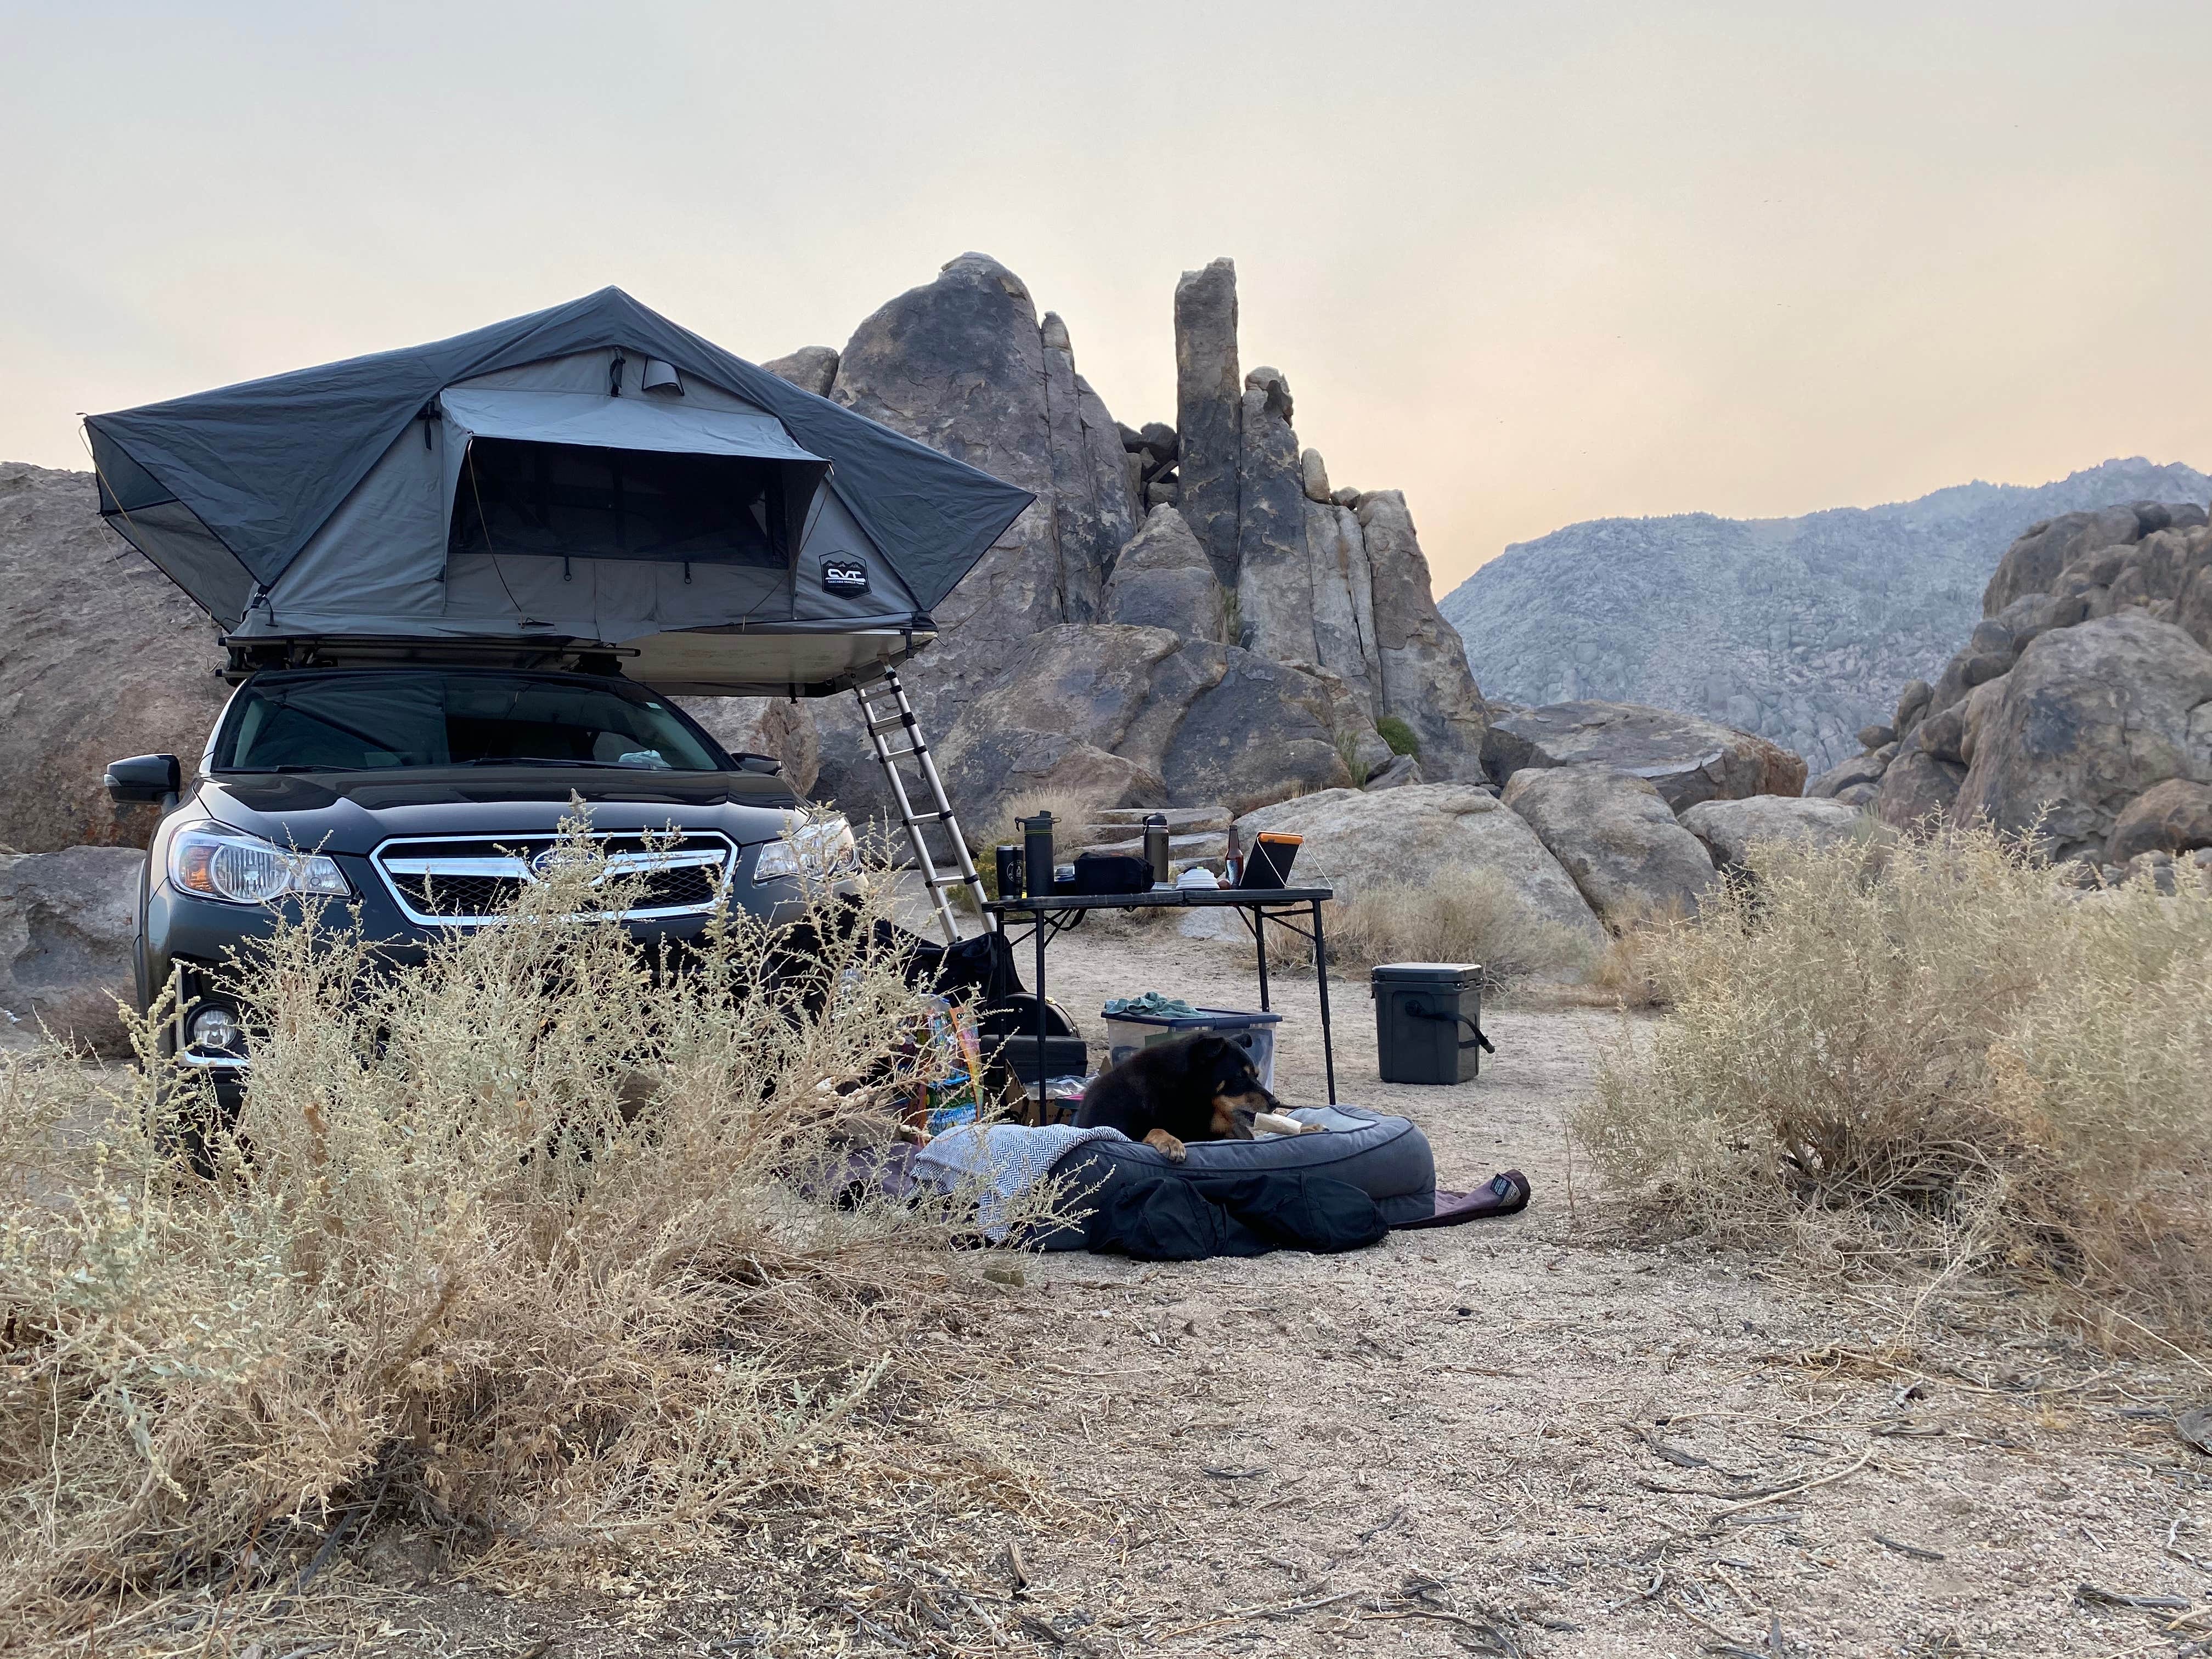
<point>569,499</point>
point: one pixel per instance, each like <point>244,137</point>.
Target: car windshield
<point>383,719</point>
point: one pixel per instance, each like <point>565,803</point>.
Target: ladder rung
<point>900,754</point>
<point>875,725</point>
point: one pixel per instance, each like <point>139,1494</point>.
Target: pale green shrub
<point>520,1238</point>
<point>1456,915</point>
<point>1939,1048</point>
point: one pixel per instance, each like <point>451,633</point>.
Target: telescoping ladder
<point>886,713</point>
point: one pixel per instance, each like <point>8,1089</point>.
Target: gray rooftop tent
<point>592,476</point>
<point>585,480</point>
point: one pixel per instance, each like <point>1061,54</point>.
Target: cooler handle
<point>1418,1012</point>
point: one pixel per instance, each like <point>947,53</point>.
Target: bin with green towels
<point>1134,1023</point>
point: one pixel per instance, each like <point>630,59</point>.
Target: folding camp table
<point>1256,906</point>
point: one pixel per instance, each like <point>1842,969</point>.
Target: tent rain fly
<point>589,476</point>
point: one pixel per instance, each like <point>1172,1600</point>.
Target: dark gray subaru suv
<point>419,797</point>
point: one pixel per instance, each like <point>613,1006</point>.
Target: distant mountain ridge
<point>1801,629</point>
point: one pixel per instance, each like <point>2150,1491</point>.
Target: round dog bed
<point>1386,1158</point>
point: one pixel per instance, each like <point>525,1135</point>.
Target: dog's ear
<point>1208,1049</point>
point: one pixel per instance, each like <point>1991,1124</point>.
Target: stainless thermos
<point>1037,849</point>
<point>1010,870</point>
<point>1155,848</point>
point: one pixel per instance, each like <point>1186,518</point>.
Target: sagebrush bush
<point>1456,915</point>
<point>1940,1050</point>
<point>533,1235</point>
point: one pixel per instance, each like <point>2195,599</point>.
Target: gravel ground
<point>1550,1434</point>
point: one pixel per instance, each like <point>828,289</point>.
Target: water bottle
<point>1037,850</point>
<point>1156,849</point>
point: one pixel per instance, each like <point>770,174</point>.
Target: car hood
<point>354,812</point>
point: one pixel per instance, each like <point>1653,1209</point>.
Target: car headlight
<point>229,864</point>
<point>817,851</point>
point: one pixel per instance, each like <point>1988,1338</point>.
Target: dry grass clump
<point>1937,1053</point>
<point>531,1240</point>
<point>1456,915</point>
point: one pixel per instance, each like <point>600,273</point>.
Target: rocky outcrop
<point>1421,664</point>
<point>781,728</point>
<point>2092,718</point>
<point>1263,730</point>
<point>1313,473</point>
<point>1399,772</point>
<point>67,919</point>
<point>1355,841</point>
<point>1094,511</point>
<point>1330,578</point>
<point>1616,838</point>
<point>1686,759</point>
<point>964,364</point>
<point>1162,579</point>
<point>1797,629</point>
<point>1729,829</point>
<point>1274,579</point>
<point>104,658</point>
<point>1124,716</point>
<point>1918,785</point>
<point>1342,583</point>
<point>811,368</point>
<point>2172,817</point>
<point>2080,693</point>
<point>1209,407</point>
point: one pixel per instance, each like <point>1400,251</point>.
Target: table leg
<point>1321,983</point>
<point>1041,1016</point>
<point>1260,943</point>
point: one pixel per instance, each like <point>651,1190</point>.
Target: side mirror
<point>144,780</point>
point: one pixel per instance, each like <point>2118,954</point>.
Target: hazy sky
<point>1530,263</point>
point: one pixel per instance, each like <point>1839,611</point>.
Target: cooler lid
<point>1427,973</point>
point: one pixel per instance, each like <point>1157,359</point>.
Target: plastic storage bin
<point>1253,1032</point>
<point>1427,1020</point>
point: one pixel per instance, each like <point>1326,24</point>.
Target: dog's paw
<point>1306,1128</point>
<point>1163,1141</point>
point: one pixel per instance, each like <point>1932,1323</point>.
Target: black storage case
<point>1428,1021</point>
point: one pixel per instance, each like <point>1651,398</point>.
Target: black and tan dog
<point>1195,1088</point>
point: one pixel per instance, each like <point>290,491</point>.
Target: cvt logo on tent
<point>844,576</point>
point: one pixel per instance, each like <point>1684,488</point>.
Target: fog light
<point>213,1028</point>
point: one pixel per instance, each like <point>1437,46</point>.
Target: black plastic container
<point>1428,1021</point>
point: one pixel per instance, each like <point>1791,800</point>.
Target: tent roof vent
<point>661,379</point>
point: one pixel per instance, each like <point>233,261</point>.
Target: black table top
<point>1197,898</point>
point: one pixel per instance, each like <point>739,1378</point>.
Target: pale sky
<point>1531,263</point>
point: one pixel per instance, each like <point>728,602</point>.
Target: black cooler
<point>1427,1020</point>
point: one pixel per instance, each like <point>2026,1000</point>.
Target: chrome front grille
<point>459,881</point>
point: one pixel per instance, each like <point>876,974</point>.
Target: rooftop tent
<point>591,475</point>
